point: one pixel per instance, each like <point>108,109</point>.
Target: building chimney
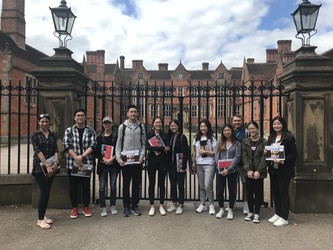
<point>271,55</point>
<point>284,46</point>
<point>12,20</point>
<point>250,60</point>
<point>205,66</point>
<point>136,64</point>
<point>122,62</point>
<point>163,67</point>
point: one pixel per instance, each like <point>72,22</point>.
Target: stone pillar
<point>60,79</point>
<point>308,79</point>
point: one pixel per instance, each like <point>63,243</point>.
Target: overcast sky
<point>170,31</point>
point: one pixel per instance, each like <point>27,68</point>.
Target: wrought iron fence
<point>255,100</point>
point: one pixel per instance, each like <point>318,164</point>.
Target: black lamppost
<point>305,19</point>
<point>63,19</point>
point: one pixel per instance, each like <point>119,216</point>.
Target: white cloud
<point>193,31</point>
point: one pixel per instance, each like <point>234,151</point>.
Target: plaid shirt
<point>48,146</point>
<point>72,141</point>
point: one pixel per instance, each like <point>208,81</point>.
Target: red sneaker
<point>87,212</point>
<point>74,213</point>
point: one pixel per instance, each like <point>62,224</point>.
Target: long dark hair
<point>209,131</point>
<point>223,142</point>
<point>180,129</point>
<point>284,131</point>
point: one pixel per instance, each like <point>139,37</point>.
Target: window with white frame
<point>153,110</point>
<point>204,112</point>
<point>167,110</point>
<point>194,111</point>
<point>237,110</point>
<point>220,107</point>
<point>140,75</point>
<point>180,91</point>
<point>31,93</point>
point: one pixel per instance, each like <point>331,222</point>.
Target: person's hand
<point>166,149</point>
<point>225,172</point>
<point>193,166</point>
<point>50,171</point>
<point>256,175</point>
<point>277,161</point>
<point>182,170</point>
<point>250,174</point>
<point>121,163</point>
<point>202,152</point>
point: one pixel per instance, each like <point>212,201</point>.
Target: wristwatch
<point>83,157</point>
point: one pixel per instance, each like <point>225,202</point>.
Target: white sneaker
<point>104,212</point>
<point>171,208</point>
<point>151,211</point>
<point>230,215</point>
<point>281,222</point>
<point>256,218</point>
<point>114,210</point>
<point>179,210</point>
<point>274,218</point>
<point>211,209</point>
<point>162,211</point>
<point>246,208</point>
<point>235,208</point>
<point>249,217</point>
<point>201,208</point>
<point>220,214</point>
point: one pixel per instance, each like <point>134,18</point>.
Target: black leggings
<point>161,183</point>
<point>254,194</point>
<point>45,185</point>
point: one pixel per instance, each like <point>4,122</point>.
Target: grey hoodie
<point>132,139</point>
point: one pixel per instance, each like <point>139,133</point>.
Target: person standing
<point>205,146</point>
<point>79,142</point>
<point>45,147</point>
<point>229,152</point>
<point>131,138</point>
<point>241,133</point>
<point>107,165</point>
<point>157,161</point>
<point>178,166</point>
<point>255,167</point>
<point>281,171</point>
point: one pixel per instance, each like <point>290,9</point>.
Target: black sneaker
<point>126,212</point>
<point>136,211</point>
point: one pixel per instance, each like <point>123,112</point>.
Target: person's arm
<point>262,163</point>
<point>186,152</point>
<point>236,158</point>
<point>119,145</point>
<point>143,143</point>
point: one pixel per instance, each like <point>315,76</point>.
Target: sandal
<point>42,224</point>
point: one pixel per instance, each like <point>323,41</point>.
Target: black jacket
<point>160,160</point>
<point>108,140</point>
<point>287,168</point>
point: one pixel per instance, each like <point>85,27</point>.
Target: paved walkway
<point>18,230</point>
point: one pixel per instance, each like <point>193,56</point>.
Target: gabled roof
<point>236,73</point>
<point>28,54</point>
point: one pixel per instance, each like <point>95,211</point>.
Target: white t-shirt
<point>210,145</point>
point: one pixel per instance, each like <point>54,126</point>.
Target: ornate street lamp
<point>305,19</point>
<point>63,19</point>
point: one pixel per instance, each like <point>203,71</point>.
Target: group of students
<point>241,151</point>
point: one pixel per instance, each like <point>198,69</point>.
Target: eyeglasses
<point>44,116</point>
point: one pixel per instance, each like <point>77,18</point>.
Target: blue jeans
<point>103,181</point>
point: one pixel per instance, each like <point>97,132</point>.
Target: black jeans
<point>131,173</point>
<point>254,194</point>
<point>45,185</point>
<point>161,183</point>
<point>280,188</point>
<point>220,187</point>
<point>74,183</point>
<point>177,179</point>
